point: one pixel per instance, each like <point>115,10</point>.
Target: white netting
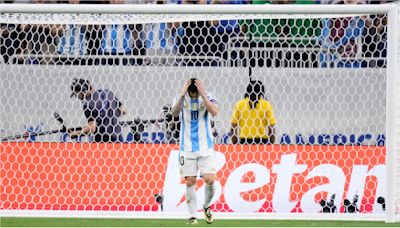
<point>397,138</point>
<point>104,19</point>
<point>325,78</point>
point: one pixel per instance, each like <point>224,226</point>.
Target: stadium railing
<point>172,59</point>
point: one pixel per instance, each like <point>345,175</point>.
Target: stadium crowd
<point>335,42</point>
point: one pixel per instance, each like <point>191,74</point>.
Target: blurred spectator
<point>116,40</point>
<point>122,40</point>
<point>290,1</point>
<point>226,32</point>
<point>73,42</point>
<point>93,36</point>
<point>160,38</point>
<point>363,1</point>
<point>16,1</point>
<point>42,37</point>
<point>12,40</point>
<point>206,39</point>
<point>293,31</point>
<point>375,39</point>
<point>44,1</point>
<point>77,40</point>
<point>15,37</point>
<point>377,1</point>
<point>195,39</point>
<point>340,40</point>
<point>140,1</point>
<point>360,1</point>
<point>282,33</point>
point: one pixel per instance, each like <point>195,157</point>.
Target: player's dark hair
<point>255,89</point>
<point>192,87</point>
<point>80,85</point>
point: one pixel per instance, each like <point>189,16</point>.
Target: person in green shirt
<point>283,32</point>
<point>295,31</point>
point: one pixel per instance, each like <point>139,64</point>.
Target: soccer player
<point>102,110</point>
<point>195,105</point>
<point>253,118</point>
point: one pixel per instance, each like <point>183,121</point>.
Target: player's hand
<point>185,88</point>
<point>200,88</point>
<point>234,139</point>
<point>73,134</point>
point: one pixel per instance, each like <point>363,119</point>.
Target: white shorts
<point>192,162</point>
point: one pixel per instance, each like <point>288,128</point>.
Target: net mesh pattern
<point>300,128</point>
<point>397,143</point>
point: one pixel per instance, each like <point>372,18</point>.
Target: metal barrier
<point>261,56</point>
<point>170,60</point>
<point>288,56</point>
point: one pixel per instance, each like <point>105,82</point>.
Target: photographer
<point>102,110</point>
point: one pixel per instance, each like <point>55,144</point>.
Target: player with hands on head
<point>102,110</point>
<point>196,106</point>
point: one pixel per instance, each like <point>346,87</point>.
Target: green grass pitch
<point>94,222</point>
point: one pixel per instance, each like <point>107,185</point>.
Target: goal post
<point>337,109</point>
<point>393,151</point>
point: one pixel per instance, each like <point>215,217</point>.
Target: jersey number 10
<point>195,115</point>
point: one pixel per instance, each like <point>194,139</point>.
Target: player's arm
<point>177,107</point>
<point>211,107</point>
<point>90,112</point>
<point>88,129</point>
<point>115,102</point>
<point>122,110</point>
<point>271,121</point>
<point>234,124</point>
<point>234,133</point>
<point>271,134</point>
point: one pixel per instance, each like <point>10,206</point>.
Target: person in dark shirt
<point>12,41</point>
<point>102,110</point>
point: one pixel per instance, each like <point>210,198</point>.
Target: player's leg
<point>191,199</point>
<point>188,170</point>
<point>209,189</point>
<point>207,168</point>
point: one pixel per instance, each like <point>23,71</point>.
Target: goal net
<point>314,143</point>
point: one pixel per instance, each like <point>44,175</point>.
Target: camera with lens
<point>159,199</point>
<point>351,207</point>
<point>172,125</point>
<point>137,128</point>
<point>381,201</point>
<point>328,207</point>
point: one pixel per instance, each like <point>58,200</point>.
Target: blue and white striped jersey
<point>159,36</point>
<point>73,41</point>
<point>196,132</point>
<point>116,39</point>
